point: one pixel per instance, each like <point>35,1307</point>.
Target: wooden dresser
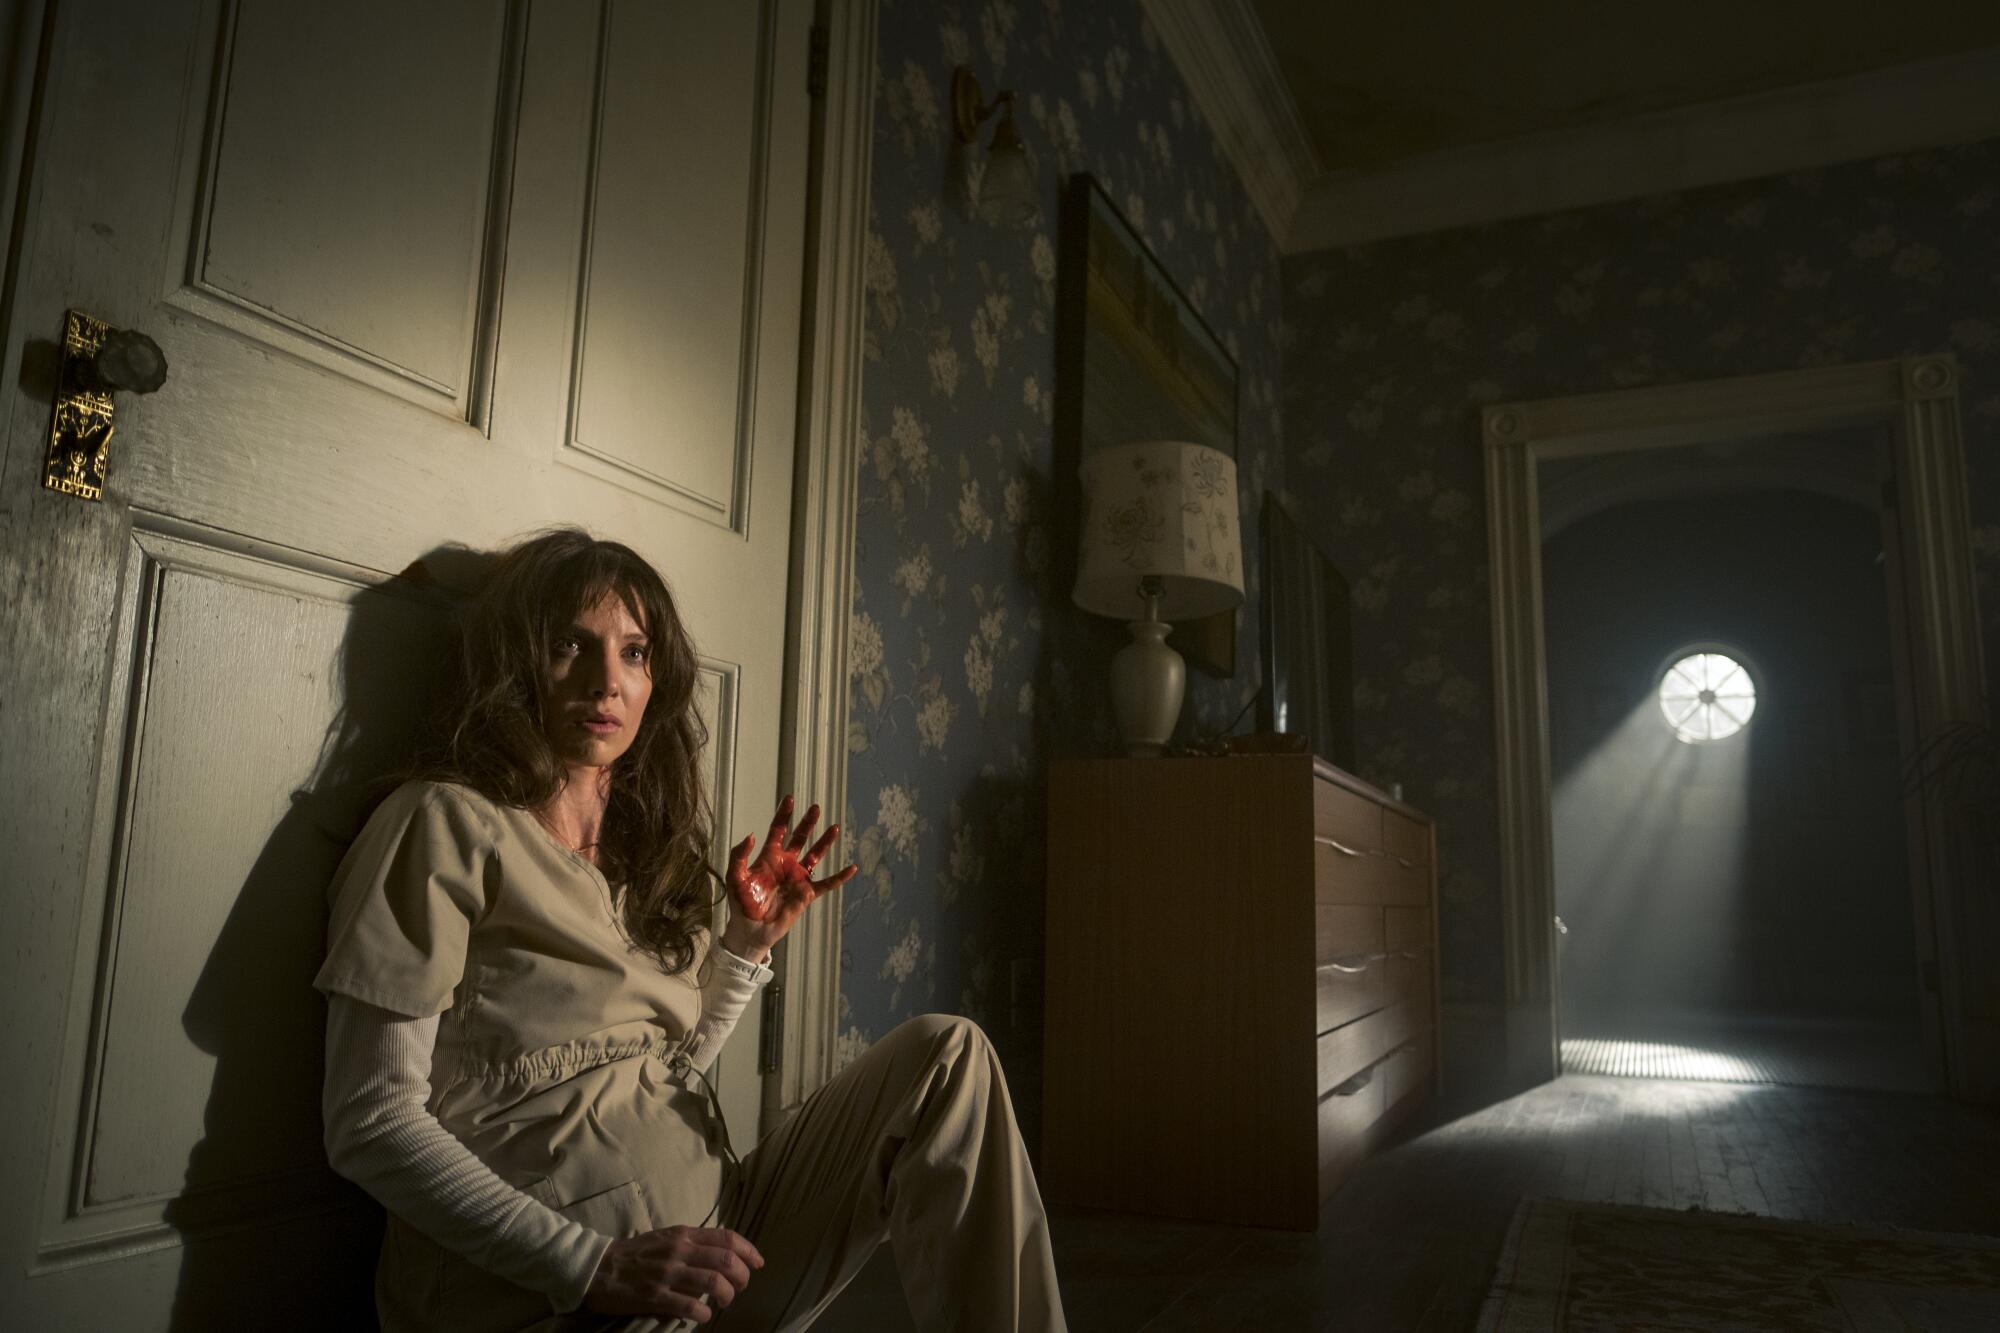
<point>1241,983</point>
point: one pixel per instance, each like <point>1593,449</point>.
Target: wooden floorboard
<point>1410,1242</point>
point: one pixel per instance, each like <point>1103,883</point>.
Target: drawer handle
<point>1406,863</point>
<point>1360,962</point>
<point>1341,847</point>
<point>1367,1076</point>
<point>1352,963</point>
<point>1355,1084</point>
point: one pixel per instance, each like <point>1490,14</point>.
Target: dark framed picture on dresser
<point>1134,361</point>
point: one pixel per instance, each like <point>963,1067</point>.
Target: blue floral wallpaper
<point>971,667</point>
<point>1398,345</point>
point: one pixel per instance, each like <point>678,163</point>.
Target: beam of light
<point>1651,836</point>
<point>1651,1059</point>
<point>1580,1106</point>
<point>1609,835</point>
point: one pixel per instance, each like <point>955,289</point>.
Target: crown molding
<point>1220,48</point>
<point>1924,104</point>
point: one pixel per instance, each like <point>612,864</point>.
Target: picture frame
<point>1135,360</point>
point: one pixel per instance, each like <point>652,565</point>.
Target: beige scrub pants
<point>916,1142</point>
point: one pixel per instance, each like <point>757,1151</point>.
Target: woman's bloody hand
<point>772,891</point>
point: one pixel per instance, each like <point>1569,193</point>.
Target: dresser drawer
<point>1406,939</point>
<point>1346,996</point>
<point>1406,929</point>
<point>1346,934</point>
<point>1406,840</point>
<point>1406,1069</point>
<point>1342,874</point>
<point>1407,981</point>
<point>1340,817</point>
<point>1405,885</point>
<point>1352,1047</point>
<point>1367,877</point>
<point>1344,1119</point>
<point>1352,964</point>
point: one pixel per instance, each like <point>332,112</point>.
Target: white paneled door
<point>427,276</point>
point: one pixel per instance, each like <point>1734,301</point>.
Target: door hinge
<point>767,1029</point>
<point>816,62</point>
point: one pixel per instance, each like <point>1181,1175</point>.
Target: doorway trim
<point>1917,398</point>
<point>813,733</point>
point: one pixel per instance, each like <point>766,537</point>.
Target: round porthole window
<point>1707,695</point>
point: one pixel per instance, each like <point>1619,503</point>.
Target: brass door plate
<point>80,434</point>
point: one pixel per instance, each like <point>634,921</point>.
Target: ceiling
<point>1379,84</point>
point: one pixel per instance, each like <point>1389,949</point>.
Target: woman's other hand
<point>675,1273</point>
<point>774,889</point>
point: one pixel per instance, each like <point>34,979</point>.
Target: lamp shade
<point>1164,509</point>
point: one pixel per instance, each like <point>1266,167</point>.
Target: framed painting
<point>1135,361</point>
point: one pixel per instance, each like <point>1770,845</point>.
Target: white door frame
<point>813,759</point>
<point>1917,398</point>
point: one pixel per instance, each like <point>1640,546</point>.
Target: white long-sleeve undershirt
<point>381,1134</point>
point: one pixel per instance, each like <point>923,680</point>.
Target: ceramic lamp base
<point>1147,681</point>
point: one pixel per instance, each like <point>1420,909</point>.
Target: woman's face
<point>599,681</point>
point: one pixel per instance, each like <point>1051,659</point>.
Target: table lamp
<point>1161,541</point>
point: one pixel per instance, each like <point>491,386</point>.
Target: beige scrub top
<point>552,1055</point>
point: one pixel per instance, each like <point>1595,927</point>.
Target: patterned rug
<point>1597,1268</point>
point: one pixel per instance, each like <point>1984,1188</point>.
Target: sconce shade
<point>1008,196</point>
<point>1002,191</point>
<point>1164,509</point>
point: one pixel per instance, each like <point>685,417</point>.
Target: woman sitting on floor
<point>525,998</point>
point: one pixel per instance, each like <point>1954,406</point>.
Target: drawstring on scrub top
<point>680,1065</point>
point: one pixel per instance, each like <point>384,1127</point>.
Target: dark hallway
<point>1733,877</point>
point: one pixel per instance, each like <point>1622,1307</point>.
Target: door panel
<point>231,667</point>
<point>310,131</point>
<point>187,1083</point>
<point>717,687</point>
<point>404,266</point>
<point>659,397</point>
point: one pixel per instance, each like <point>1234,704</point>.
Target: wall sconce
<point>1005,193</point>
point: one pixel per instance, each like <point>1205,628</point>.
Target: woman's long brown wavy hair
<point>488,727</point>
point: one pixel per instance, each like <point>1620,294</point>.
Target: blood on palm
<point>778,885</point>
